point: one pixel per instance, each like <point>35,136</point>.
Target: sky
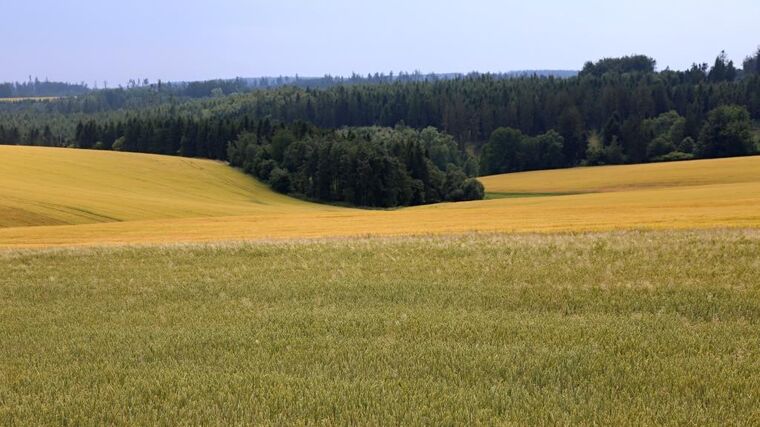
<point>173,40</point>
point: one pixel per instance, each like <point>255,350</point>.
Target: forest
<point>616,110</point>
<point>378,167</point>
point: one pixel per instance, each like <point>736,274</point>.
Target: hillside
<point>53,197</point>
<point>55,186</point>
<point>628,177</point>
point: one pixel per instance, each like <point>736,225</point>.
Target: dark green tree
<point>727,132</point>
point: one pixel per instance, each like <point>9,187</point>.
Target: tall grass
<point>620,328</point>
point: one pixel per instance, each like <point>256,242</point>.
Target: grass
<point>60,197</point>
<point>612,328</point>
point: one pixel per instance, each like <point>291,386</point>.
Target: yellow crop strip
<point>58,197</point>
<point>55,186</point>
<point>628,177</point>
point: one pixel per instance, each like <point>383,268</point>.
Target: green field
<point>613,328</point>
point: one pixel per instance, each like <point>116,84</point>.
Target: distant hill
<point>203,88</point>
<point>41,89</point>
<point>198,89</point>
<point>328,80</point>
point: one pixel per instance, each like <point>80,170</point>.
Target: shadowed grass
<point>621,328</point>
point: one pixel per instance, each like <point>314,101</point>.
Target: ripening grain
<point>625,178</point>
<point>627,328</point>
<point>54,186</point>
<point>96,198</point>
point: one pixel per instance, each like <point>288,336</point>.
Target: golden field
<point>60,197</point>
<point>55,186</point>
<point>622,178</point>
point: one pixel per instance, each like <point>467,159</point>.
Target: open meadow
<point>634,328</point>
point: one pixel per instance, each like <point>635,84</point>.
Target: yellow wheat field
<point>56,186</point>
<point>629,177</point>
<point>60,197</point>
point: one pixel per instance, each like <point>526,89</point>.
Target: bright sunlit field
<point>328,236</point>
<point>62,197</point>
<point>54,186</point>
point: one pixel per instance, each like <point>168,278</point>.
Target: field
<point>60,197</point>
<point>55,186</point>
<point>598,328</point>
<point>151,290</point>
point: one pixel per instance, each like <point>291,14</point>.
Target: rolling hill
<point>56,186</point>
<point>60,197</point>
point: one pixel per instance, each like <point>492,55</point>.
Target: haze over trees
<point>37,88</point>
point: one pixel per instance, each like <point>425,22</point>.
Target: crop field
<point>624,178</point>
<point>153,290</point>
<point>597,328</point>
<point>64,197</point>
<point>54,186</point>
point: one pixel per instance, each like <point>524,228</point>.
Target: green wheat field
<point>596,328</point>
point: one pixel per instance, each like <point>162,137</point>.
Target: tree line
<point>617,110</point>
<point>37,88</point>
<point>469,108</point>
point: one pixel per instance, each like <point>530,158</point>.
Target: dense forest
<point>616,110</point>
<point>373,166</point>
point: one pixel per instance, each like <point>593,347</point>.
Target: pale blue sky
<point>87,40</point>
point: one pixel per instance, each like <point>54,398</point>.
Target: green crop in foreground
<point>623,328</point>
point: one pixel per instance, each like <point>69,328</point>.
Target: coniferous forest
<point>386,142</point>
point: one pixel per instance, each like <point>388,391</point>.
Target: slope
<point>56,186</point>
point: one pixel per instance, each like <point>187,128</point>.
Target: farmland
<point>375,214</point>
<point>55,186</point>
<point>58,197</point>
<point>599,328</point>
<point>143,289</point>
